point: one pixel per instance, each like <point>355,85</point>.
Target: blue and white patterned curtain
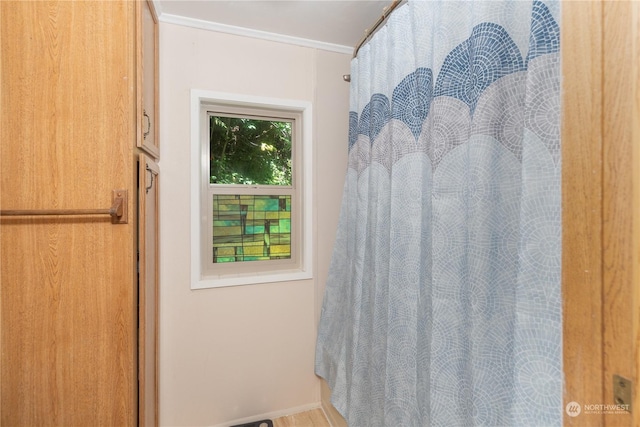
<point>443,302</point>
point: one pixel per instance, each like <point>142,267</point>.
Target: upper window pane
<point>249,151</point>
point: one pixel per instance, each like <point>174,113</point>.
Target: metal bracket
<point>119,207</point>
<point>623,392</point>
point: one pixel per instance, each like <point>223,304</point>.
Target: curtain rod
<point>369,32</point>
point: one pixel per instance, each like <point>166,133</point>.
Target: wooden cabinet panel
<point>148,191</point>
<point>581,208</point>
<point>621,148</point>
<point>68,309</point>
<point>148,78</point>
<point>601,197</point>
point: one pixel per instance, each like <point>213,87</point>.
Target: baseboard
<point>332,415</point>
<point>274,414</point>
<point>326,415</point>
<point>330,412</point>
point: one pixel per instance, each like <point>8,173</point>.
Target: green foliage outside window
<point>249,151</point>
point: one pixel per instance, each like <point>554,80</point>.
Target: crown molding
<point>249,32</point>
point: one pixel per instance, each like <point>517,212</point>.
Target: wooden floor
<point>313,418</point>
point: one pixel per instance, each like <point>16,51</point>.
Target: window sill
<point>253,279</point>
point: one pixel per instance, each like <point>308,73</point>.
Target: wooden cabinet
<point>148,185</point>
<point>147,78</point>
<point>71,95</point>
<point>148,227</point>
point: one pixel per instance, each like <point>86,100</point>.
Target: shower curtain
<point>443,304</point>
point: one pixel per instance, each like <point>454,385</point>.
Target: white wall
<point>231,353</point>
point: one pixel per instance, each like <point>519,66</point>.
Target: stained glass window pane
<point>251,227</point>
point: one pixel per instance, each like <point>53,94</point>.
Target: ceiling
<point>328,21</point>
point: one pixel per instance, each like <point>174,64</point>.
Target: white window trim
<point>305,271</point>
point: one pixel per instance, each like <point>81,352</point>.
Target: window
<point>251,162</point>
<point>252,181</point>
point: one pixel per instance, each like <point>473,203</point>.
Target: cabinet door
<point>148,183</point>
<point>68,306</point>
<point>148,78</point>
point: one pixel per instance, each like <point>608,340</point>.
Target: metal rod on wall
<point>369,32</point>
<point>56,212</point>
<point>117,211</point>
